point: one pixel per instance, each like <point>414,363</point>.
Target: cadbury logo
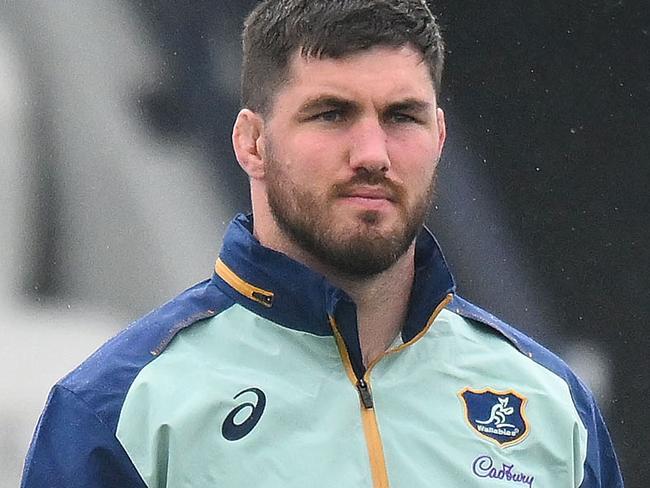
<point>484,467</point>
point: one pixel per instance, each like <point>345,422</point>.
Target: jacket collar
<point>286,292</point>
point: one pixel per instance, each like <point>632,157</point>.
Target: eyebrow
<point>414,105</point>
<point>327,101</point>
<point>411,105</point>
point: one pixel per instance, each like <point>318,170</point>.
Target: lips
<point>369,193</point>
<point>374,199</point>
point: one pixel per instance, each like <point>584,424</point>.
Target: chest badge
<point>498,416</point>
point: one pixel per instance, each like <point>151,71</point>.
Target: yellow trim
<point>252,292</point>
<point>524,401</point>
<point>375,448</point>
<point>368,420</point>
<point>344,352</point>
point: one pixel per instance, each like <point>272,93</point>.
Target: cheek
<point>314,157</point>
<point>302,170</point>
<point>415,160</point>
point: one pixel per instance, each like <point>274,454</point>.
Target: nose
<point>369,146</point>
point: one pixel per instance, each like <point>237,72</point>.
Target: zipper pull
<point>364,393</point>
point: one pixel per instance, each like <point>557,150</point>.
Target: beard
<point>356,249</point>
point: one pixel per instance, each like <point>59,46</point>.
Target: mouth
<point>370,193</point>
<point>369,198</point>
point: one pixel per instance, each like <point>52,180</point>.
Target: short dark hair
<point>276,29</point>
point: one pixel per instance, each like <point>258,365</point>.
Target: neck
<point>381,299</point>
<point>382,304</point>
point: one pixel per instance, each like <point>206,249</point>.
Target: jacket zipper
<point>368,416</point>
<point>365,395</point>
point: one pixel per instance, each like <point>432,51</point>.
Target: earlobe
<point>248,144</point>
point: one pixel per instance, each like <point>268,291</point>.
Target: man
<point>329,347</point>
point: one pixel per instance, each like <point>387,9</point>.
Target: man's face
<point>352,146</point>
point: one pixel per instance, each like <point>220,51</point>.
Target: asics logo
<point>234,427</point>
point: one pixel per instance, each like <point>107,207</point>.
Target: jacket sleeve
<point>73,448</point>
<point>601,466</point>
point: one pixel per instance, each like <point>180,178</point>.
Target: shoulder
<point>519,358</point>
<point>492,354</point>
<point>83,410</point>
<point>521,345</point>
<point>102,381</point>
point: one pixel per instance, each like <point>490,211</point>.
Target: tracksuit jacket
<point>254,378</point>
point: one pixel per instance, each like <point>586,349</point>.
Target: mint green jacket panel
<point>309,433</point>
<point>424,425</point>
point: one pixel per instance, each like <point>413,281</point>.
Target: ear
<point>248,143</point>
<point>442,129</point>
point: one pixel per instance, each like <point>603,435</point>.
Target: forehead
<point>379,74</point>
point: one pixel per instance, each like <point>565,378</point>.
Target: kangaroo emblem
<point>498,414</point>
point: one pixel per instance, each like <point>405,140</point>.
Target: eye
<point>330,116</point>
<point>400,117</point>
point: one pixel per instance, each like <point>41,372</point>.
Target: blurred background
<point>117,181</point>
